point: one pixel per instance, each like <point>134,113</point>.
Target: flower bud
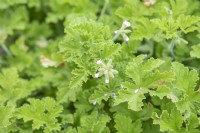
<point>47,62</point>
<point>116,32</point>
<point>96,75</point>
<point>125,37</point>
<point>126,23</point>
<point>99,62</point>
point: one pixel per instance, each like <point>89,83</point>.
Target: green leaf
<point>101,93</point>
<point>190,103</point>
<point>132,95</point>
<point>124,124</point>
<point>83,105</point>
<point>6,112</point>
<point>179,6</point>
<point>168,26</point>
<point>185,80</point>
<point>13,88</point>
<point>95,122</point>
<point>6,3</point>
<point>169,122</point>
<point>192,124</point>
<point>43,113</point>
<point>109,49</point>
<point>143,30</point>
<point>66,94</point>
<point>9,78</point>
<point>195,51</point>
<point>17,16</point>
<point>145,75</point>
<point>188,23</point>
<point>79,76</point>
<point>83,36</point>
<point>161,92</point>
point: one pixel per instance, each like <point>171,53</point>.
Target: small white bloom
<point>106,72</point>
<point>105,94</point>
<point>99,62</point>
<point>126,39</point>
<point>107,81</point>
<point>136,91</point>
<point>42,43</point>
<point>126,23</point>
<point>94,102</point>
<point>96,75</point>
<point>116,32</point>
<point>121,86</point>
<point>145,55</point>
<point>47,62</point>
<point>113,95</point>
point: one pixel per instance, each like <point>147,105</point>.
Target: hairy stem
<point>105,6</point>
<point>6,50</point>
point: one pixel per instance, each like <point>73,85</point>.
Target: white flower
<point>126,23</point>
<point>136,91</point>
<point>94,102</point>
<point>42,43</point>
<point>126,38</point>
<point>105,94</point>
<point>96,75</point>
<point>99,62</point>
<point>113,95</point>
<point>105,70</point>
<point>47,62</point>
<point>121,86</point>
<point>123,31</point>
<point>107,81</point>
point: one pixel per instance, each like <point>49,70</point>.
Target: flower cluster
<point>122,31</point>
<point>106,70</point>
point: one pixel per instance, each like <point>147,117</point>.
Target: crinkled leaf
<point>188,23</point>
<point>185,80</point>
<point>195,51</point>
<point>6,112</point>
<point>169,122</point>
<point>132,95</point>
<point>43,113</point>
<point>94,122</point>
<point>143,75</point>
<point>101,93</point>
<point>79,76</point>
<point>124,124</point>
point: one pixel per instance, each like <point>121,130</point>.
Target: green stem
<point>115,37</point>
<point>6,50</point>
<point>172,48</point>
<point>105,6</point>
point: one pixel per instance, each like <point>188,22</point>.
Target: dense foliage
<point>99,66</point>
